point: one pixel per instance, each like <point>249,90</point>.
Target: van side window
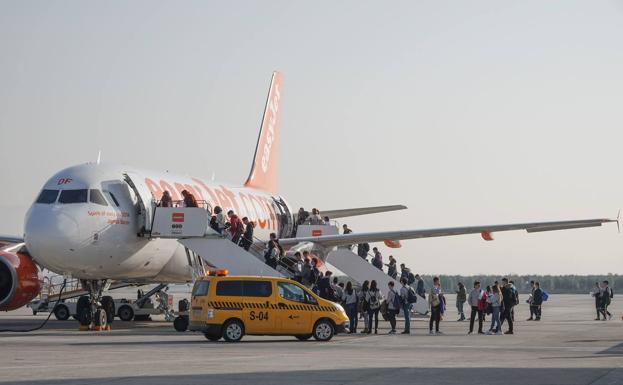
<point>257,288</point>
<point>95,196</point>
<point>47,196</point>
<point>73,196</point>
<point>201,288</point>
<point>229,288</point>
<point>291,292</point>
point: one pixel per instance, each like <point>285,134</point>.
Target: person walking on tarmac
<point>461,298</point>
<point>509,297</point>
<point>406,306</point>
<point>474,299</point>
<point>350,300</point>
<point>537,301</point>
<point>437,306</point>
<point>393,306</point>
<point>374,298</point>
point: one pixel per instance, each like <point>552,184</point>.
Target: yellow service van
<point>230,307</point>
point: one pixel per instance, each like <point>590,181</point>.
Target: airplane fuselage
<point>86,222</point>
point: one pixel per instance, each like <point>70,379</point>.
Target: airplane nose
<point>50,232</point>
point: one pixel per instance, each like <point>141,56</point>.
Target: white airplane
<point>95,222</point>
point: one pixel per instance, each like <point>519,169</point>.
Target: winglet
<point>619,221</point>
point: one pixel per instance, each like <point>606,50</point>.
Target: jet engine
<point>19,280</point>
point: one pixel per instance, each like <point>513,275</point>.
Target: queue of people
<point>603,295</point>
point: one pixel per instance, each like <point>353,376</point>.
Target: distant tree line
<point>554,284</point>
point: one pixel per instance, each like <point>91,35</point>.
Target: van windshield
<point>201,288</point>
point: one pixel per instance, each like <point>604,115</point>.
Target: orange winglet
<point>486,235</point>
<point>392,244</point>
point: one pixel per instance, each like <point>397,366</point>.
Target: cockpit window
<point>73,196</point>
<point>47,196</point>
<point>112,197</point>
<point>97,197</point>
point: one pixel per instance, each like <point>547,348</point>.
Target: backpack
<point>374,300</point>
<point>515,297</point>
<point>482,304</point>
<point>410,278</point>
<point>545,296</point>
<point>396,302</point>
<point>411,296</point>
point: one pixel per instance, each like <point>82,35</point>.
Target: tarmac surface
<point>566,347</point>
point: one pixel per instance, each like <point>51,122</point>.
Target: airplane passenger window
<point>97,198</point>
<point>47,196</point>
<point>73,196</point>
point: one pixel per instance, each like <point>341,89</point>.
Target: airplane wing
<point>343,213</point>
<point>7,240</point>
<point>485,231</point>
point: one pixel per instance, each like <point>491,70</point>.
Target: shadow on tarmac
<point>376,376</point>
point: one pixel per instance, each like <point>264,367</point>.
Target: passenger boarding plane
<point>97,222</point>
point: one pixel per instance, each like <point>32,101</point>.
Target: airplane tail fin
<point>265,166</point>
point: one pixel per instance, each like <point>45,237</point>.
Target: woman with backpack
<point>364,305</point>
<point>496,305</point>
<point>437,305</point>
<point>393,306</point>
<point>350,301</point>
<point>374,298</point>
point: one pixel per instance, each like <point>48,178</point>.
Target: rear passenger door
<point>294,309</point>
<point>258,312</point>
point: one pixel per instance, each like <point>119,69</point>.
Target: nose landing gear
<point>95,312</point>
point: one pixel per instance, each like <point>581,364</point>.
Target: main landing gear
<point>94,311</point>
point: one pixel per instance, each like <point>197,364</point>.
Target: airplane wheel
<point>126,313</point>
<point>101,319</point>
<point>180,323</point>
<point>83,310</point>
<point>108,304</point>
<point>61,312</point>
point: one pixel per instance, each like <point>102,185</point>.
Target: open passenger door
<point>146,200</point>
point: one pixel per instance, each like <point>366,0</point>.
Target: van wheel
<point>180,323</point>
<point>323,330</point>
<point>61,312</point>
<point>212,337</point>
<point>125,313</point>
<point>233,330</point>
<point>303,337</point>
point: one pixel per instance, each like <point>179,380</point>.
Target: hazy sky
<point>469,113</point>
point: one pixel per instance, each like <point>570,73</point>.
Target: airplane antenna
<point>213,176</point>
<point>99,156</point>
